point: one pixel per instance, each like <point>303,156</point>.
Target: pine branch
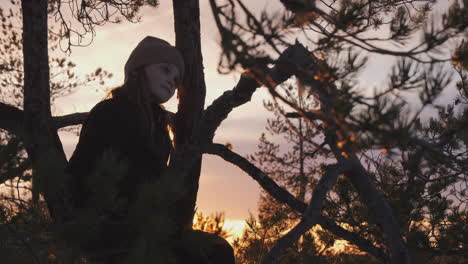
<point>292,59</point>
<point>435,149</point>
<point>312,214</point>
<point>379,210</point>
<point>285,197</point>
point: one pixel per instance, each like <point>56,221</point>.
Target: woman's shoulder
<point>110,104</point>
<point>113,107</point>
<point>110,112</point>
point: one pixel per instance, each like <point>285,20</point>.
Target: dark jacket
<point>115,125</point>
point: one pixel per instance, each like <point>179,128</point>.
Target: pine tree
<point>375,138</point>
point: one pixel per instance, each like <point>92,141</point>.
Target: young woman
<point>124,143</point>
<point>131,124</point>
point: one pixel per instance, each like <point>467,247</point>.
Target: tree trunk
<point>41,139</point>
<point>192,99</point>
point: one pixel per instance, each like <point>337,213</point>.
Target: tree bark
<point>41,139</point>
<point>192,99</point>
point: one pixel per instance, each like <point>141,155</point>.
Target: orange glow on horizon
<point>236,228</point>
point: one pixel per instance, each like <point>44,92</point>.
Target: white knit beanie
<point>152,50</point>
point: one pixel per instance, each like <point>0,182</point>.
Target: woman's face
<point>162,81</point>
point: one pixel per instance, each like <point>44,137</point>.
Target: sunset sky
<point>223,187</point>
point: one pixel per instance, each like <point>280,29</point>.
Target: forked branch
<point>285,197</point>
<point>312,214</point>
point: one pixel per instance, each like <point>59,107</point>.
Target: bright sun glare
<point>235,229</point>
